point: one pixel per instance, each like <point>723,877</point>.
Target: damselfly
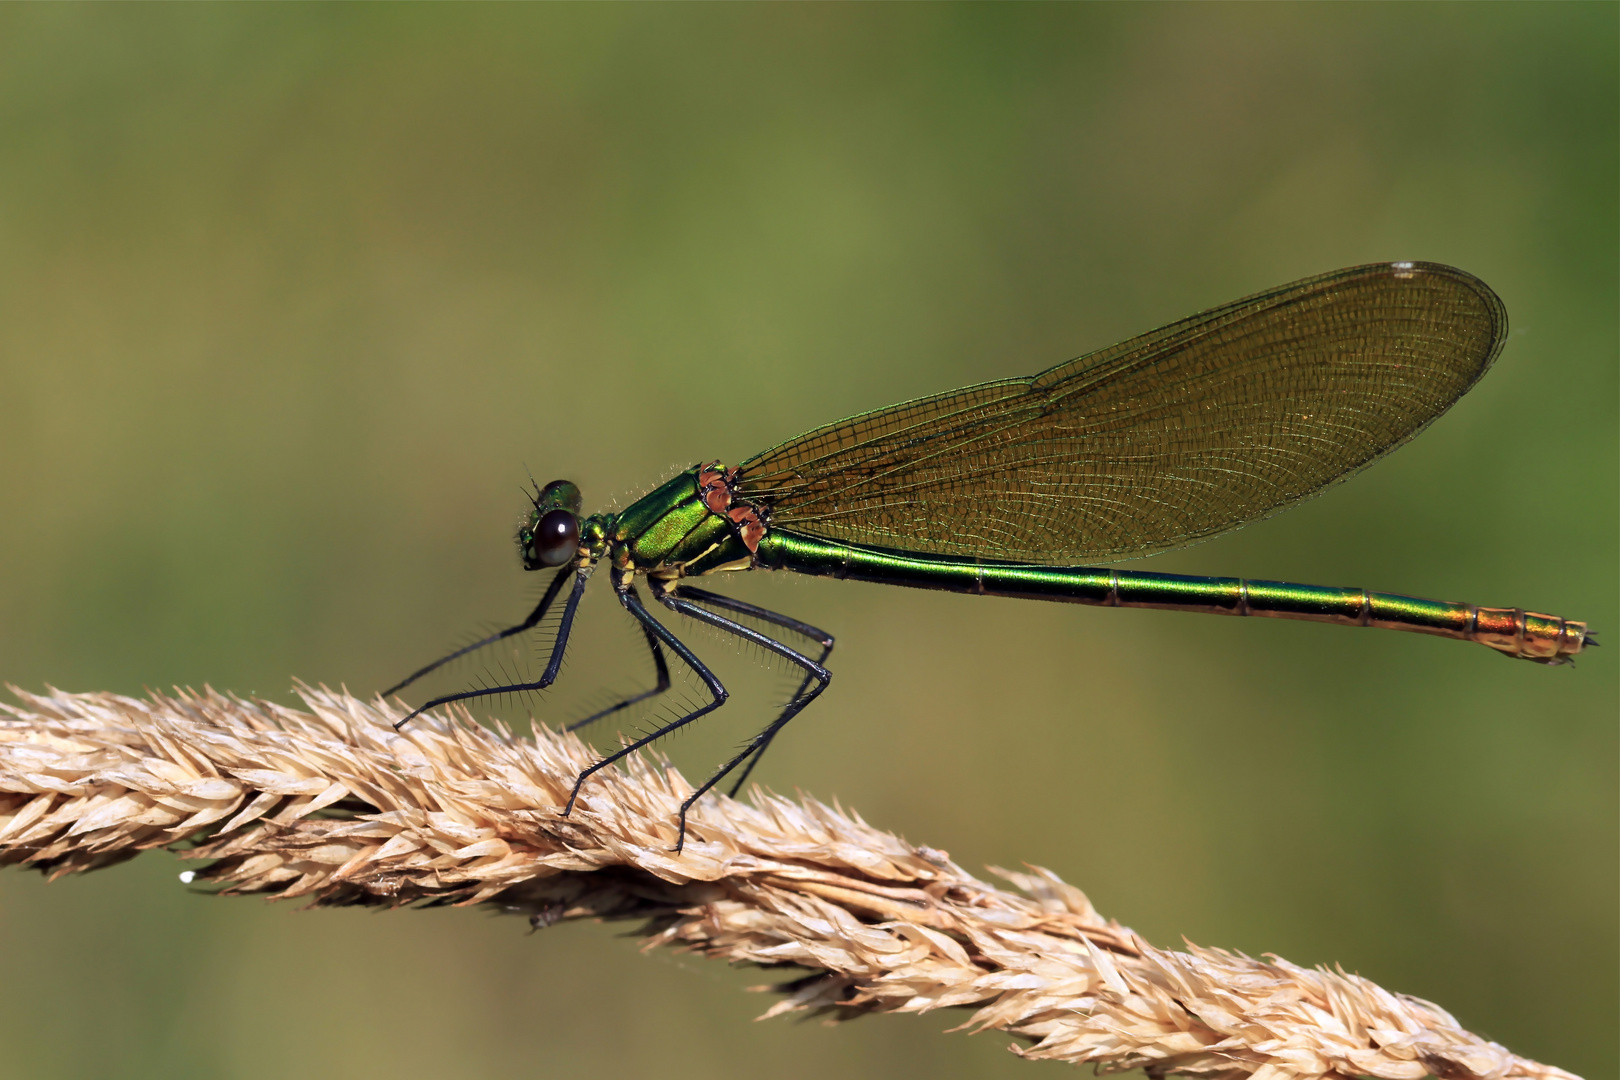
<point>1001,489</point>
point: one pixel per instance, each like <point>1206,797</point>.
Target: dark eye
<point>556,537</point>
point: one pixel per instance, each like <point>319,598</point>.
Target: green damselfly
<point>1002,489</point>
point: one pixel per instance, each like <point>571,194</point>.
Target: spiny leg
<point>814,672</point>
<point>529,623</point>
<point>663,679</point>
<point>632,603</point>
<point>742,607</point>
<point>581,576</point>
<point>764,742</point>
<point>820,637</point>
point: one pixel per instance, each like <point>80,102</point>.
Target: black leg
<point>727,603</point>
<point>534,618</point>
<point>663,680</point>
<point>550,676</point>
<point>820,637</point>
<point>717,690</point>
<point>814,672</point>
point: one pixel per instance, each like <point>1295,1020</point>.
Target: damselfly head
<point>550,536</point>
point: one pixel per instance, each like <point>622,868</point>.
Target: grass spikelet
<point>332,805</point>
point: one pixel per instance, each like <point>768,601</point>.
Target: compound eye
<point>556,537</point>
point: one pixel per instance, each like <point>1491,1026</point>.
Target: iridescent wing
<point>1191,430</point>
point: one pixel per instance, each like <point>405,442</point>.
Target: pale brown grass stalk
<point>334,806</point>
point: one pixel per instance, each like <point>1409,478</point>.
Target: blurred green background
<point>290,296</point>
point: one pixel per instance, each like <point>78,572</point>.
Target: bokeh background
<point>290,298</point>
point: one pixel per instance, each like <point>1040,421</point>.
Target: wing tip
<point>1493,309</point>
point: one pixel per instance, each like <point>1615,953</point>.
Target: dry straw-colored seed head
<point>333,805</point>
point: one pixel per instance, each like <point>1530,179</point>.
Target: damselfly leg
<point>717,690</point>
<point>529,623</point>
<point>814,673</point>
<point>581,576</point>
<point>804,629</point>
<point>663,683</point>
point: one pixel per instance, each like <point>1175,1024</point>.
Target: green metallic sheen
<point>594,532</point>
<point>1505,629</point>
<point>710,532</point>
<point>654,545</point>
<point>559,494</point>
<point>672,531</point>
<point>644,514</point>
<point>730,554</point>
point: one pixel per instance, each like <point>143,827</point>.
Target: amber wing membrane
<point>1191,430</point>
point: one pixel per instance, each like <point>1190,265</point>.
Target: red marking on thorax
<point>714,487</point>
<point>750,526</point>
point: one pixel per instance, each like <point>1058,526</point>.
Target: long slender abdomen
<point>1524,634</point>
<point>1513,631</point>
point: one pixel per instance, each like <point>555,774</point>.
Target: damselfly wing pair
<point>1008,487</point>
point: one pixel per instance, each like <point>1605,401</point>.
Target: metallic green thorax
<point>671,532</point>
